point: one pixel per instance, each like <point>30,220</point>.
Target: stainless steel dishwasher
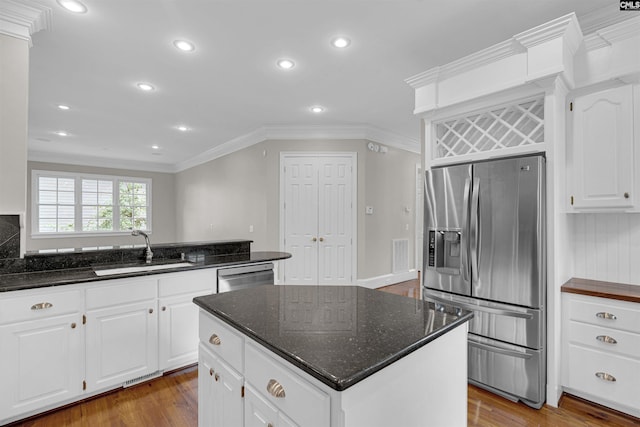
<point>247,276</point>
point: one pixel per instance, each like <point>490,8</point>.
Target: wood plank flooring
<point>171,401</point>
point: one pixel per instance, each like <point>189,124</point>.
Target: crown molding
<point>617,32</point>
<point>98,162</point>
<point>21,19</point>
<point>566,26</point>
<point>308,133</point>
<point>602,18</point>
<point>265,133</point>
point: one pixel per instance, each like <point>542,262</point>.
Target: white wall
<point>222,198</point>
<point>14,83</point>
<point>607,247</point>
<point>163,209</point>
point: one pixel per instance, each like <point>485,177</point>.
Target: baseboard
<point>387,279</point>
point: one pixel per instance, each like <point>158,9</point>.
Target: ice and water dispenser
<point>444,251</point>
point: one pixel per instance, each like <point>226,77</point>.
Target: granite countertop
<point>39,279</point>
<point>597,288</point>
<point>338,334</point>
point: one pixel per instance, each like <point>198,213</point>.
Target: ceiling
<point>229,90</point>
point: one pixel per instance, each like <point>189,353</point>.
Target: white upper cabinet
<point>602,152</point>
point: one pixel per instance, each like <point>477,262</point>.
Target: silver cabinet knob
<point>275,389</point>
<point>606,339</point>
<point>41,306</point>
<point>606,377</point>
<point>605,315</point>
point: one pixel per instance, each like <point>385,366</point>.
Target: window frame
<point>78,177</point>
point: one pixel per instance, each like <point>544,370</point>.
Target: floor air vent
<point>400,255</point>
<point>142,379</point>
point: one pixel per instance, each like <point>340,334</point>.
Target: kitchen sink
<point>139,268</point>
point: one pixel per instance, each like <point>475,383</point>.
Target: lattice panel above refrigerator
<point>509,126</point>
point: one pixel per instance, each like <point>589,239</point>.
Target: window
<point>67,203</point>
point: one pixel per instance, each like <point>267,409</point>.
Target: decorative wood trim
<point>597,288</point>
<point>615,33</point>
<point>22,19</point>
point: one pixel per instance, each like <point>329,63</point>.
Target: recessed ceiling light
<point>184,45</point>
<point>340,42</point>
<point>145,86</point>
<point>155,146</point>
<point>182,128</point>
<point>286,64</point>
<point>62,133</point>
<point>73,6</point>
<point>63,107</point>
<point>317,109</point>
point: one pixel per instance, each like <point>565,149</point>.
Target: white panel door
<point>40,363</point>
<point>122,344</point>
<point>334,221</point>
<point>603,150</point>
<point>318,218</point>
<point>301,219</point>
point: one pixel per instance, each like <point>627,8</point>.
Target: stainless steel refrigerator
<point>484,250</point>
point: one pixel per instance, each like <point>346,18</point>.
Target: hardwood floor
<point>171,401</point>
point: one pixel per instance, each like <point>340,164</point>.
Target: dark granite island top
<point>338,334</point>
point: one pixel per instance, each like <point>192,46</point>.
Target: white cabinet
<point>178,316</point>
<point>603,151</point>
<point>220,388</point>
<point>601,357</point>
<point>259,413</point>
<point>41,357</point>
<point>121,332</point>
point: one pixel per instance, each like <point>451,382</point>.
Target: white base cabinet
<point>121,333</point>
<point>426,387</point>
<point>66,343</point>
<point>601,355</point>
<point>41,350</point>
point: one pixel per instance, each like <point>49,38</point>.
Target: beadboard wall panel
<point>607,247</point>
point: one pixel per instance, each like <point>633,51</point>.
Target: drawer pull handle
<point>606,339</point>
<point>606,377</point>
<point>275,389</point>
<point>216,377</point>
<point>211,371</point>
<point>41,306</point>
<point>605,315</point>
<point>215,340</point>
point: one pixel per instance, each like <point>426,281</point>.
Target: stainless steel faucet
<point>146,239</point>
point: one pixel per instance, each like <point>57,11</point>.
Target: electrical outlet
<point>251,229</point>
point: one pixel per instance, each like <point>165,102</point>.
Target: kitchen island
<point>339,356</point>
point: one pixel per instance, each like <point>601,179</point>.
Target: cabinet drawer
<point>222,340</point>
<point>605,312</point>
<point>117,292</point>
<point>605,339</point>
<point>303,402</point>
<point>39,305</point>
<point>201,281</point>
<point>585,363</point>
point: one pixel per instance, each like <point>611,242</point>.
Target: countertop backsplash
<point>9,236</point>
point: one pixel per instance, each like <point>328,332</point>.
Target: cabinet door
<point>257,411</point>
<point>178,331</point>
<point>206,388</point>
<point>219,392</point>
<point>122,344</point>
<point>603,150</point>
<point>40,363</point>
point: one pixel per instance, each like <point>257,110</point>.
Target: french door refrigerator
<point>484,226</point>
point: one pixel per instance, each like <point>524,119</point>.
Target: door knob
<point>322,239</point>
<point>314,239</point>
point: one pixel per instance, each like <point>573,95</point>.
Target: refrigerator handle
<point>474,235</point>
<point>464,252</point>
